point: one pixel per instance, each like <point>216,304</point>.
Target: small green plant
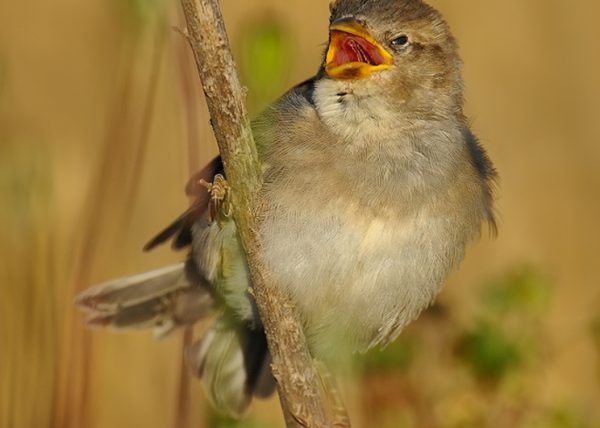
<point>488,352</point>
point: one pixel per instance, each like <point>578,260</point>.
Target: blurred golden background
<point>102,120</point>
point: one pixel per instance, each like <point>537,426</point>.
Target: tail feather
<point>162,299</point>
<point>128,291</point>
<point>257,362</point>
<point>231,359</point>
<point>219,362</point>
<point>233,365</point>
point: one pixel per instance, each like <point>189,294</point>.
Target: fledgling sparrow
<point>373,185</point>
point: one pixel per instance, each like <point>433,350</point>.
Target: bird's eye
<point>400,41</point>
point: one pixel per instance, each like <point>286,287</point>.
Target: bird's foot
<point>219,197</point>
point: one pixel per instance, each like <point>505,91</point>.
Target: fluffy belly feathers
<point>355,277</point>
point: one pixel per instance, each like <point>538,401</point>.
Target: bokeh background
<point>102,120</point>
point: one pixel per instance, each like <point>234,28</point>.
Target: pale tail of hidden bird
<point>373,185</point>
<point>231,358</point>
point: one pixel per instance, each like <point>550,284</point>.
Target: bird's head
<point>400,52</point>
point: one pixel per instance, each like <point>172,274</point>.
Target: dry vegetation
<point>100,120</point>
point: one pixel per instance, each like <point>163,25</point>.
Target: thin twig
<point>299,389</point>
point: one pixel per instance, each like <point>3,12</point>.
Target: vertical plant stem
<point>73,385</point>
<point>298,384</point>
<point>147,116</point>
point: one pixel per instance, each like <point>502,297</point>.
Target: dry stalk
<point>300,392</point>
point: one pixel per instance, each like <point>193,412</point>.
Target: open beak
<point>353,53</point>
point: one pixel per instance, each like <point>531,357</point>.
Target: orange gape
<point>353,53</point>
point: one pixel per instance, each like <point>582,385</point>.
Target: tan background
<point>72,124</point>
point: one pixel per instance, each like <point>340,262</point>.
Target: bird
<point>372,186</point>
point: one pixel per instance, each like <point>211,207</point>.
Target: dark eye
<point>400,40</point>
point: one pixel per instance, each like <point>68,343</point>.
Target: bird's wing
<point>487,174</point>
<point>180,230</point>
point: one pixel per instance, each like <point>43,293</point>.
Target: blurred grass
<point>112,195</point>
<point>265,58</point>
<point>523,288</point>
<point>75,108</point>
<point>595,334</point>
<point>3,71</point>
<point>564,418</point>
<point>493,379</point>
<point>29,310</point>
<point>138,14</point>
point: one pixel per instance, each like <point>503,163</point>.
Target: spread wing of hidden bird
<point>373,184</point>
